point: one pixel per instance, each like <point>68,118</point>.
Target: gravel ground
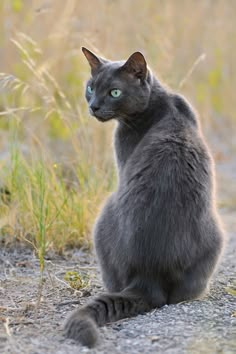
<point>31,316</point>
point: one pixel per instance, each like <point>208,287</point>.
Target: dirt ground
<point>32,310</point>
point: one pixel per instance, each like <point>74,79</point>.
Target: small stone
<point>155,339</point>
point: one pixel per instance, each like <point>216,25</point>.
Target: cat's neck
<point>129,132</point>
<point>155,109</point>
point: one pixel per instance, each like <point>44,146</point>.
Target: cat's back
<point>171,168</point>
<point>167,185</point>
<point>174,144</point>
<point>166,189</point>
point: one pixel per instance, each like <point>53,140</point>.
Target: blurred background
<point>56,162</point>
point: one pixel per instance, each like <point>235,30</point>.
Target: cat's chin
<point>103,120</point>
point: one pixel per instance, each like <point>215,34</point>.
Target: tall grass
<point>52,204</point>
<point>55,160</point>
<point>55,171</point>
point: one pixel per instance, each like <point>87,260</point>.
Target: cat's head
<point>117,89</point>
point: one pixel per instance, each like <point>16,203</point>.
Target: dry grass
<point>55,160</point>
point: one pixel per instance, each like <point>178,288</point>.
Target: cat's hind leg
<point>194,281</point>
<point>192,286</point>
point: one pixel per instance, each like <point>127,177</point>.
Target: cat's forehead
<point>108,74</point>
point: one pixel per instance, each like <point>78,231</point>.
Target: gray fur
<point>158,237</point>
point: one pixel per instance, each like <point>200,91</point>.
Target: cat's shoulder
<point>180,127</point>
<point>179,121</point>
<point>184,109</point>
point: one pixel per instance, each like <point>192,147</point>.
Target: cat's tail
<point>82,324</point>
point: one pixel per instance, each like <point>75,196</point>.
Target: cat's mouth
<point>102,117</point>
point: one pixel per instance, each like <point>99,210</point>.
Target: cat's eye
<point>89,89</point>
<point>115,93</point>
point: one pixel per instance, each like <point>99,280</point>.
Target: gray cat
<point>158,237</point>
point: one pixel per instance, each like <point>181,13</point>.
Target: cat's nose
<point>94,107</point>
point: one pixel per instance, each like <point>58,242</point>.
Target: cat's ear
<point>136,65</point>
<point>94,62</point>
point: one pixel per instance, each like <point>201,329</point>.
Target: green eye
<point>90,90</point>
<point>115,93</point>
